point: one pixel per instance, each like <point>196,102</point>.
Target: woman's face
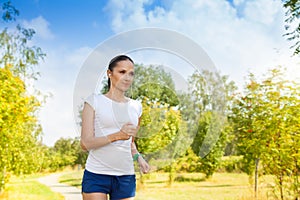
<point>122,75</point>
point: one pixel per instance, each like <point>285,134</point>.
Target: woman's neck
<point>116,95</point>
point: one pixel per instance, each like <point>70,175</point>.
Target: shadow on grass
<point>217,186</point>
<point>72,181</point>
<point>188,179</point>
<point>155,182</point>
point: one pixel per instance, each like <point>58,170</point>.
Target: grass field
<point>222,186</point>
<point>28,188</point>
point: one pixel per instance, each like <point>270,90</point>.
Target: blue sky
<point>85,22</point>
<point>240,36</point>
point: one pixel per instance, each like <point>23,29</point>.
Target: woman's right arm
<point>88,140</point>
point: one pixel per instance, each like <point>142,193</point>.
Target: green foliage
<point>18,126</point>
<point>292,16</point>
<point>231,164</point>
<point>80,155</point>
<point>188,162</point>
<point>209,143</point>
<point>9,12</point>
<point>209,102</point>
<point>66,152</point>
<point>155,84</point>
<point>159,126</point>
<point>266,121</point>
<point>162,136</point>
<point>16,51</point>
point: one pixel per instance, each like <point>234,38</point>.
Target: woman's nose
<point>128,77</point>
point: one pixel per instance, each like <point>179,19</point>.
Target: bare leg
<point>94,196</point>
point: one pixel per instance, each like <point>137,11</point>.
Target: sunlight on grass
<point>221,186</point>
<point>25,188</point>
<point>191,186</point>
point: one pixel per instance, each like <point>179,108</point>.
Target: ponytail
<point>108,83</point>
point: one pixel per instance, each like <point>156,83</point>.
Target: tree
<point>266,121</point>
<point>80,155</point>
<point>16,51</point>
<point>19,127</point>
<point>293,14</point>
<point>162,135</point>
<point>210,98</point>
<point>154,83</point>
<point>207,134</point>
<point>66,151</point>
<point>158,128</point>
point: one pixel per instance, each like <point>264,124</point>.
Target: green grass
<point>73,178</point>
<point>28,187</point>
<point>222,186</point>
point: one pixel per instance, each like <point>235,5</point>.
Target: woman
<point>109,124</point>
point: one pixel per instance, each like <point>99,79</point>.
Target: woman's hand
<point>125,133</point>
<point>83,147</point>
<point>144,166</point>
<point>129,129</point>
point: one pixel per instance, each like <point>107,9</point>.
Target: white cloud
<point>58,75</point>
<point>262,11</point>
<point>41,27</point>
<point>238,2</point>
<point>131,10</point>
<point>240,38</point>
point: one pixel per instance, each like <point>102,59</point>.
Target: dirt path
<point>69,192</point>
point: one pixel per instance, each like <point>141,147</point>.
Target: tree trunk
<point>2,179</point>
<point>281,186</point>
<point>256,177</point>
<point>171,175</point>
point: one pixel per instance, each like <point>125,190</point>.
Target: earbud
<point>109,74</point>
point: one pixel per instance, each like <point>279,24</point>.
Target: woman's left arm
<point>144,166</point>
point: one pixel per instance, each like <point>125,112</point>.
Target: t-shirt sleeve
<point>91,101</point>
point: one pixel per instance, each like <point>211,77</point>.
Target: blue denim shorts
<point>118,187</point>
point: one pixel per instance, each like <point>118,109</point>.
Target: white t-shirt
<point>114,158</point>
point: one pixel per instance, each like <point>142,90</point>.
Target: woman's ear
<point>108,73</point>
